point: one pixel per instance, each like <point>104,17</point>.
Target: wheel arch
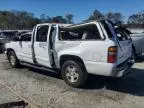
<point>64,58</point>
<point>8,50</point>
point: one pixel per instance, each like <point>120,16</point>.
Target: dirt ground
<point>44,89</point>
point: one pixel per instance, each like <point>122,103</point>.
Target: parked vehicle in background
<point>20,32</point>
<point>5,36</point>
<point>138,43</point>
<point>8,33</point>
<point>76,50</point>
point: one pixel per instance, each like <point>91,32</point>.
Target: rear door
<point>41,45</point>
<point>125,45</point>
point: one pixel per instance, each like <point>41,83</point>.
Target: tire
<point>134,51</point>
<point>1,49</point>
<point>74,73</point>
<point>133,55</point>
<point>13,60</point>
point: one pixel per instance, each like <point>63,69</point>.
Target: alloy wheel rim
<point>12,60</point>
<point>72,74</point>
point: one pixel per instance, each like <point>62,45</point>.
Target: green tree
<point>96,15</point>
<point>137,18</point>
<point>17,20</point>
<point>115,17</point>
<point>58,19</point>
<point>69,18</point>
<point>25,20</point>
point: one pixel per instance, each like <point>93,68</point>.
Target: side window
<point>26,37</point>
<point>84,32</point>
<point>127,34</point>
<point>91,34</point>
<point>42,33</point>
<point>122,35</point>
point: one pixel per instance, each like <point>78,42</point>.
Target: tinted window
<point>9,34</point>
<point>105,25</point>
<point>122,35</point>
<point>42,32</point>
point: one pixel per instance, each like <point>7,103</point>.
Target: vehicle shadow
<point>132,84</point>
<point>43,71</point>
<point>139,59</point>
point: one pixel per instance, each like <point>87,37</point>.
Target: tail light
<point>112,54</point>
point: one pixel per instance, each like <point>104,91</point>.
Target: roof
<point>60,24</point>
<point>80,24</point>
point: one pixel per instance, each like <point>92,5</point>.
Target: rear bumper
<point>109,69</point>
<point>123,69</point>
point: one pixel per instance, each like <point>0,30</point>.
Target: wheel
<point>13,60</point>
<point>74,73</point>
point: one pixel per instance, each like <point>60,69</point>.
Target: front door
<point>41,45</point>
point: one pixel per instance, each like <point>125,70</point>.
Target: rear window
<point>106,27</point>
<point>82,32</point>
<point>122,34</point>
<point>112,31</point>
<point>8,34</point>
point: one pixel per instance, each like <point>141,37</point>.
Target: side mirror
<point>16,38</point>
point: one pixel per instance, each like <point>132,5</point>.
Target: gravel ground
<point>45,90</point>
<point>7,96</point>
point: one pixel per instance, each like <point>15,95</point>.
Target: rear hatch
<point>124,45</point>
<point>122,39</point>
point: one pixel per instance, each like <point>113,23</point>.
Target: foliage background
<point>26,20</point>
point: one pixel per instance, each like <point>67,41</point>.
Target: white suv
<point>76,50</point>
